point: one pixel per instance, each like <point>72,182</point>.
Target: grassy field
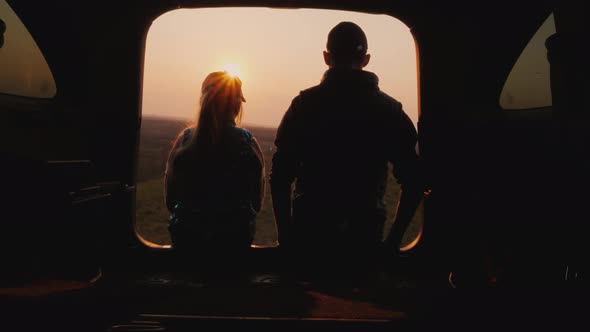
<point>157,136</point>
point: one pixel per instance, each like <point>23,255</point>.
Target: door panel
<point>45,168</point>
<point>571,87</point>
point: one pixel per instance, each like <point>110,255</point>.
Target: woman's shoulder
<point>242,134</point>
<point>245,142</point>
<point>186,135</point>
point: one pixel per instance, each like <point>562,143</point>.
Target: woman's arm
<point>169,183</point>
<point>260,188</point>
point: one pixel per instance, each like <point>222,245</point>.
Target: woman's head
<point>220,106</point>
<point>221,98</point>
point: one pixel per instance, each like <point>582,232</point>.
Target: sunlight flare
<point>233,69</point>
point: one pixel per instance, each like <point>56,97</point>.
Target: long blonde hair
<point>220,106</point>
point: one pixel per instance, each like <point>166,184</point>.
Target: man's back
<point>336,141</point>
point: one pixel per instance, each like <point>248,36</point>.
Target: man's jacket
<point>335,142</point>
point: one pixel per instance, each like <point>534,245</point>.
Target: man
<point>335,142</point>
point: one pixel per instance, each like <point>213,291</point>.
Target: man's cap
<point>347,38</point>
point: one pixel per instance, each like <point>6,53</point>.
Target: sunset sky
<point>278,51</point>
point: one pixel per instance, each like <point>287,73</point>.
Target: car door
<point>50,194</point>
<point>570,88</point>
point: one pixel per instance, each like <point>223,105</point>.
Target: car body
<point>71,161</point>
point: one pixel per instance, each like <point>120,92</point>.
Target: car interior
<point>503,241</point>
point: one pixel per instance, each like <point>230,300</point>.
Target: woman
<point>214,180</point>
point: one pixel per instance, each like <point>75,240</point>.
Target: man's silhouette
<point>335,142</point>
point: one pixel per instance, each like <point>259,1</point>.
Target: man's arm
<point>283,172</point>
<point>407,170</point>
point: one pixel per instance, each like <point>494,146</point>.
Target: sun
<point>233,69</point>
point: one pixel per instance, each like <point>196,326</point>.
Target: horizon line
<point>179,118</point>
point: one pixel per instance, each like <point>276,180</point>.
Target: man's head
<point>347,47</point>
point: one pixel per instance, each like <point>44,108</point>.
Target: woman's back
<point>214,195</point>
<point>223,175</point>
<point>214,175</point>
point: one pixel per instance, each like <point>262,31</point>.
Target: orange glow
<point>275,52</point>
<point>414,242</point>
<point>234,70</point>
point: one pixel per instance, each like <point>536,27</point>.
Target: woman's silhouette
<point>214,180</point>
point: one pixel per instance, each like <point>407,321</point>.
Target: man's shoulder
<point>389,101</point>
<point>305,96</point>
<point>313,89</point>
<point>310,92</point>
<point>319,91</point>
